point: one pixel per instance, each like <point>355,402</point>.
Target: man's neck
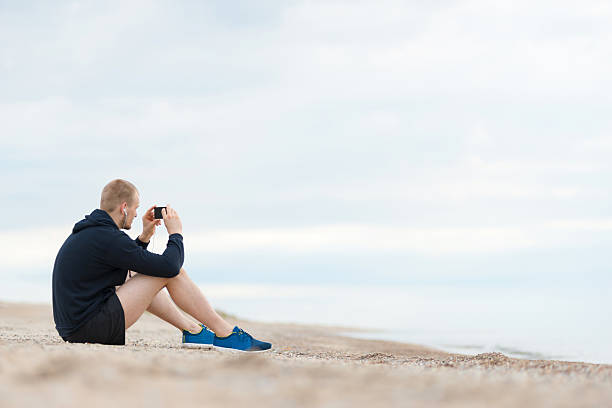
<point>118,219</point>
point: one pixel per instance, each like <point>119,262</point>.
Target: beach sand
<point>308,366</point>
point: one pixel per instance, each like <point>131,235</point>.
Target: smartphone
<point>158,213</point>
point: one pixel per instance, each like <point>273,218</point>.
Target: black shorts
<point>105,327</point>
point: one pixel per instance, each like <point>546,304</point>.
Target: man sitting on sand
<point>94,303</point>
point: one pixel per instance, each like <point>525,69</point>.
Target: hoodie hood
<point>97,218</point>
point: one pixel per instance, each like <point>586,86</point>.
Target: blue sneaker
<point>204,338</point>
<point>239,340</point>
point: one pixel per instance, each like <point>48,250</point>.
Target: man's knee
<point>181,274</point>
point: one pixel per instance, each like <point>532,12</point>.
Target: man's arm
<point>149,222</point>
<point>130,254</point>
<point>123,252</point>
<point>142,242</point>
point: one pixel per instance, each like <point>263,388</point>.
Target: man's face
<point>132,213</point>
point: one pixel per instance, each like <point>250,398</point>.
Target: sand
<point>309,366</point>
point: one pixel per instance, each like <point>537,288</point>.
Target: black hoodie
<point>94,259</point>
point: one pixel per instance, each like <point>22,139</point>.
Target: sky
<point>461,142</point>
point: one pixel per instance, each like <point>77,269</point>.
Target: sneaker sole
<point>197,345</point>
<point>233,350</point>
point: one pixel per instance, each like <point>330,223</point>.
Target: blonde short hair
<point>115,193</point>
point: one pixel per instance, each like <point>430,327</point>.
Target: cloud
<point>31,248</point>
<point>36,248</point>
<point>430,241</point>
<point>434,127</point>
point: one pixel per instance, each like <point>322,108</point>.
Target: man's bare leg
<point>137,294</point>
<point>164,308</point>
<point>188,296</point>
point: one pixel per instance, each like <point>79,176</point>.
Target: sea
<point>547,322</point>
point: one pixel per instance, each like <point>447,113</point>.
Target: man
<point>94,303</point>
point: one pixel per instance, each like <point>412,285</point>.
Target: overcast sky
<point>351,141</point>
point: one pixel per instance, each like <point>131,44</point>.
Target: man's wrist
<point>144,238</point>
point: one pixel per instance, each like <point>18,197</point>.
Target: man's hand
<point>172,221</point>
<point>148,225</point>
